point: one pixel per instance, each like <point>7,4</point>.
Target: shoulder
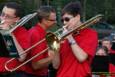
<point>34,29</point>
<point>36,33</point>
<point>20,30</point>
<point>89,31</point>
<point>89,34</point>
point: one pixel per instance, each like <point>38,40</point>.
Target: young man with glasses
<point>11,13</point>
<point>46,19</point>
<point>77,50</point>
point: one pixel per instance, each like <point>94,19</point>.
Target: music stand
<point>112,58</point>
<point>7,46</point>
<point>100,65</point>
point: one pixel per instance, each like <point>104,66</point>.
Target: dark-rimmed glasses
<point>67,19</point>
<point>7,16</point>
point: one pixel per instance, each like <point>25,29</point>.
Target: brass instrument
<point>7,45</point>
<point>53,40</point>
<point>1,22</point>
<point>21,22</point>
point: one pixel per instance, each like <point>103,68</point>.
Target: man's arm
<point>19,48</point>
<point>42,63</point>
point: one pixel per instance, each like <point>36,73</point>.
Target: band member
<point>11,13</point>
<point>47,18</point>
<point>102,51</point>
<point>108,43</point>
<point>77,50</point>
<point>100,63</point>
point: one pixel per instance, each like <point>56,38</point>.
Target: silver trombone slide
<point>22,21</point>
<point>11,70</point>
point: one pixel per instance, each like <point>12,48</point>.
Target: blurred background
<point>90,9</point>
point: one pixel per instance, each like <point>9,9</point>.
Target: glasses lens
<point>7,16</point>
<point>65,19</point>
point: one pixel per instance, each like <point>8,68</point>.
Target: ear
<point>78,17</point>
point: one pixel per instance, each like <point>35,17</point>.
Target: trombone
<point>53,40</point>
<point>21,22</point>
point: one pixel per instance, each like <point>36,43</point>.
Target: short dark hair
<point>44,12</point>
<point>17,7</point>
<point>107,39</point>
<point>73,8</point>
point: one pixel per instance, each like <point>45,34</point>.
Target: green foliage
<point>105,7</point>
<point>90,7</point>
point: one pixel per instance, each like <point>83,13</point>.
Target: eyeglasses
<point>67,19</point>
<point>6,16</point>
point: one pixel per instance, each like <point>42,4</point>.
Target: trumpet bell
<point>53,41</point>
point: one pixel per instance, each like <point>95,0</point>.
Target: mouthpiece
<point>1,22</point>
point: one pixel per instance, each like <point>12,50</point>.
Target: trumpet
<point>53,40</point>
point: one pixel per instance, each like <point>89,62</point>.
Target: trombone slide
<point>53,40</point>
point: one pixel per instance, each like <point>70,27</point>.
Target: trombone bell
<point>53,41</point>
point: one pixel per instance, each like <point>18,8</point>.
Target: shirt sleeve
<point>90,42</point>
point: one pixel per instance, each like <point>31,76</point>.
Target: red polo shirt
<point>37,33</point>
<point>70,66</point>
<point>23,39</point>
